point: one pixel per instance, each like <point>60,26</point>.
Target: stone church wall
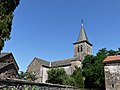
<point>35,67</point>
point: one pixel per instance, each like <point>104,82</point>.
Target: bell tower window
<point>78,49</point>
<point>81,48</point>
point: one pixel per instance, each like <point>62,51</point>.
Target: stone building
<point>82,47</point>
<point>112,72</point>
<point>8,66</point>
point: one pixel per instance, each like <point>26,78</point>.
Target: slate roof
<point>59,63</point>
<point>64,62</point>
<point>112,59</point>
<point>43,62</point>
<point>82,36</point>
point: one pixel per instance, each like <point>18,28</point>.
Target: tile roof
<point>112,59</point>
<point>62,62</point>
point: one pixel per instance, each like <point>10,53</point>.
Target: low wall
<point>16,84</point>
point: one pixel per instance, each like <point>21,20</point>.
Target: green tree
<point>56,75</point>
<point>21,75</point>
<point>59,76</point>
<point>7,8</point>
<point>78,78</point>
<point>93,68</point>
<point>69,80</point>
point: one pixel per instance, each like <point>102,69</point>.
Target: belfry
<point>82,47</point>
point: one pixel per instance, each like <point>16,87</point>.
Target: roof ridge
<point>112,58</point>
<point>41,59</point>
<point>63,59</point>
<point>6,52</point>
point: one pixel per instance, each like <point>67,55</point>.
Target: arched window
<point>78,49</point>
<point>81,48</point>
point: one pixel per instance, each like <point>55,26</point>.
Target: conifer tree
<point>7,8</point>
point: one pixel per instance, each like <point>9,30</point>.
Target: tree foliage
<point>59,76</point>
<point>78,78</point>
<point>7,8</point>
<point>69,80</point>
<point>93,68</point>
<point>27,76</point>
<point>56,75</point>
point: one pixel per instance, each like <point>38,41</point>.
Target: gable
<point>8,58</point>
<point>33,66</point>
<point>7,66</point>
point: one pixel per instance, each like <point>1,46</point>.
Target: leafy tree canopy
<point>56,75</point>
<point>69,80</point>
<point>78,78</point>
<point>93,68</point>
<point>7,8</point>
<point>59,76</point>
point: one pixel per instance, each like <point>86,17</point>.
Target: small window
<point>81,48</point>
<point>78,49</point>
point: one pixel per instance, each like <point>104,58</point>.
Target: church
<point>82,47</point>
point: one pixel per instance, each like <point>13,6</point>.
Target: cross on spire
<point>82,21</point>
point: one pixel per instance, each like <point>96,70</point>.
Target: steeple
<point>82,35</point>
<point>82,46</point>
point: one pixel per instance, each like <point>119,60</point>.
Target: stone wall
<point>112,76</point>
<point>16,84</point>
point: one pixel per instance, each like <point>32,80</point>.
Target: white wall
<point>68,69</point>
<point>44,74</point>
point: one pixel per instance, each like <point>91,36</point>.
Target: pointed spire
<point>82,36</point>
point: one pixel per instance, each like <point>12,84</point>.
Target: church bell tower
<point>82,47</point>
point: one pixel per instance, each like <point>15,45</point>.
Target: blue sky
<point>47,29</point>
